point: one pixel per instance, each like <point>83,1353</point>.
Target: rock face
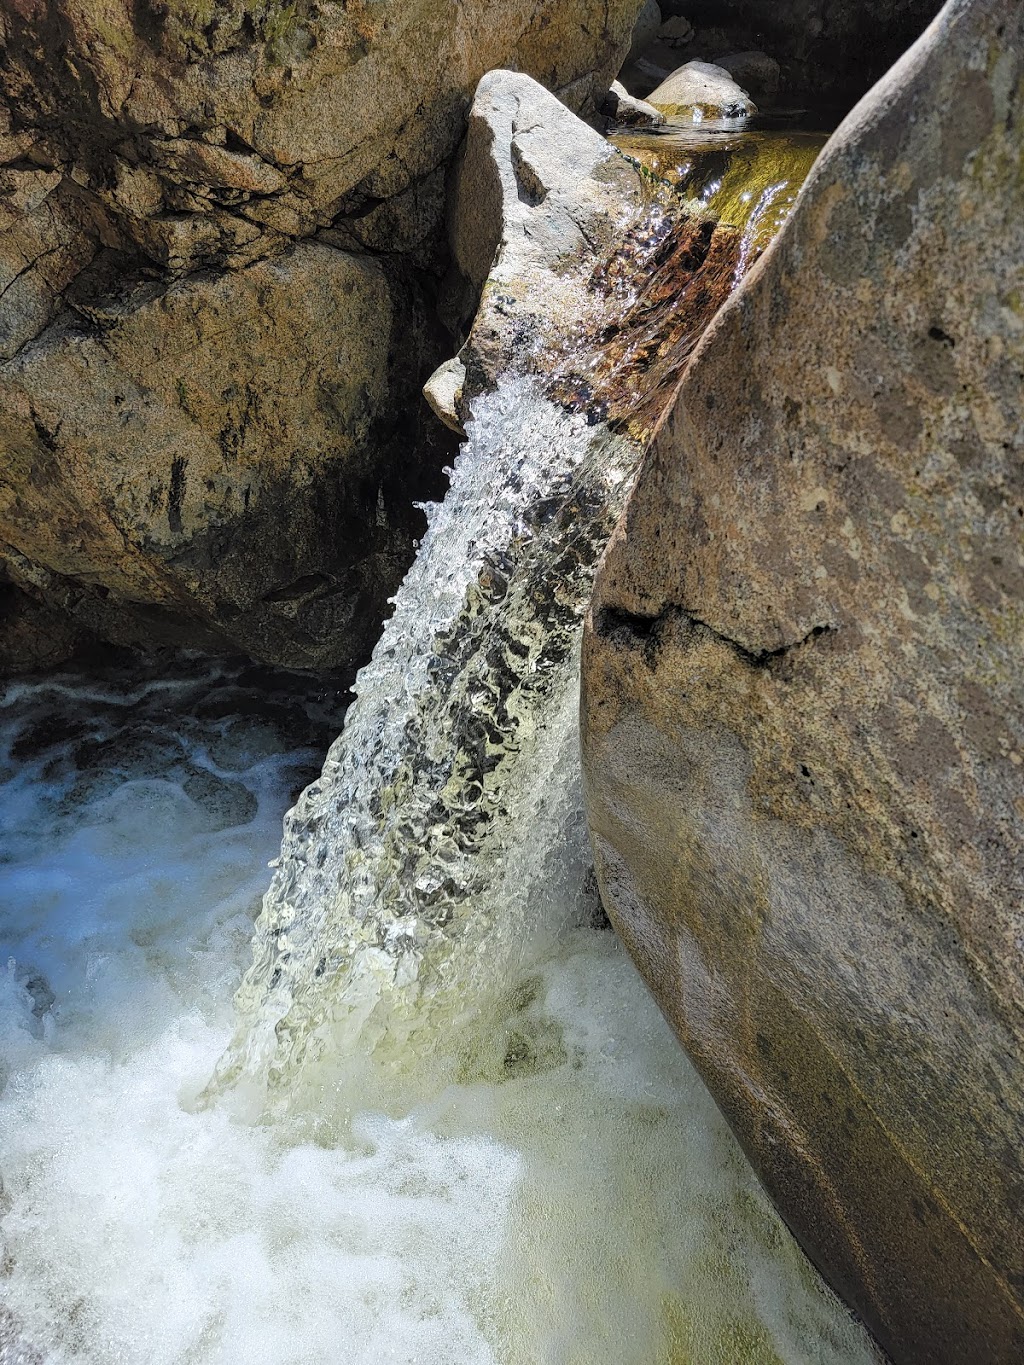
<point>189,132</point>
<point>700,90</point>
<point>803,699</point>
<point>221,235</point>
<point>163,480</point>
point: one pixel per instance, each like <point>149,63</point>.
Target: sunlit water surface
<point>573,1198</point>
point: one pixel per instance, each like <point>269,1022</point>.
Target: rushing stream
<point>445,1123</point>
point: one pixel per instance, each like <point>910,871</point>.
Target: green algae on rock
<point>743,177</point>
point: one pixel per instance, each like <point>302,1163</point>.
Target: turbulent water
<point>444,1122</point>
<point>570,1195</point>
<point>446,822</point>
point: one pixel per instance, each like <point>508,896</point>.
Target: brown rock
<point>201,445</point>
<point>803,699</point>
<point>323,108</point>
<point>220,462</point>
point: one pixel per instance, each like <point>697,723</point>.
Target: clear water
<point>743,172</point>
<point>468,1136</point>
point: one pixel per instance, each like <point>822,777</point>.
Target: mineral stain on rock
<point>176,493</point>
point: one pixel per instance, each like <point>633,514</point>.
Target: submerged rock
<point>746,178</point>
<point>700,90</point>
<point>803,708</point>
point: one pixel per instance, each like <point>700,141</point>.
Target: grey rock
<point>803,704</point>
<point>699,90</point>
<point>676,31</point>
<point>620,106</point>
<point>539,198</point>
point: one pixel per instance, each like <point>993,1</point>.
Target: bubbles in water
<point>565,1192</point>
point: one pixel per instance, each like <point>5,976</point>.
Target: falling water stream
<point>443,1121</point>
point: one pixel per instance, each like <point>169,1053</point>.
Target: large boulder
<point>186,132</point>
<point>538,199</point>
<point>218,441</point>
<point>803,704</point>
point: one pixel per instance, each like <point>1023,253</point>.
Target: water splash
<point>138,1229</point>
<point>397,898</point>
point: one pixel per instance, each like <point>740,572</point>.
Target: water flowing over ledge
<point>411,872</point>
<point>447,1124</point>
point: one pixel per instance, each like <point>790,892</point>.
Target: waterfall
<point>446,1124</point>
<point>447,812</point>
<point>447,817</point>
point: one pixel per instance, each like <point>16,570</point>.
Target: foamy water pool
<point>569,1196</point>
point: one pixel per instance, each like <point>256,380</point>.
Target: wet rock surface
<point>591,274</point>
<point>803,717</point>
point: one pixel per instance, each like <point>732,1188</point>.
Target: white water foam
<point>559,1190</point>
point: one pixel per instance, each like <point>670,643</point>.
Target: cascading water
<point>403,893</point>
<point>447,1124</point>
